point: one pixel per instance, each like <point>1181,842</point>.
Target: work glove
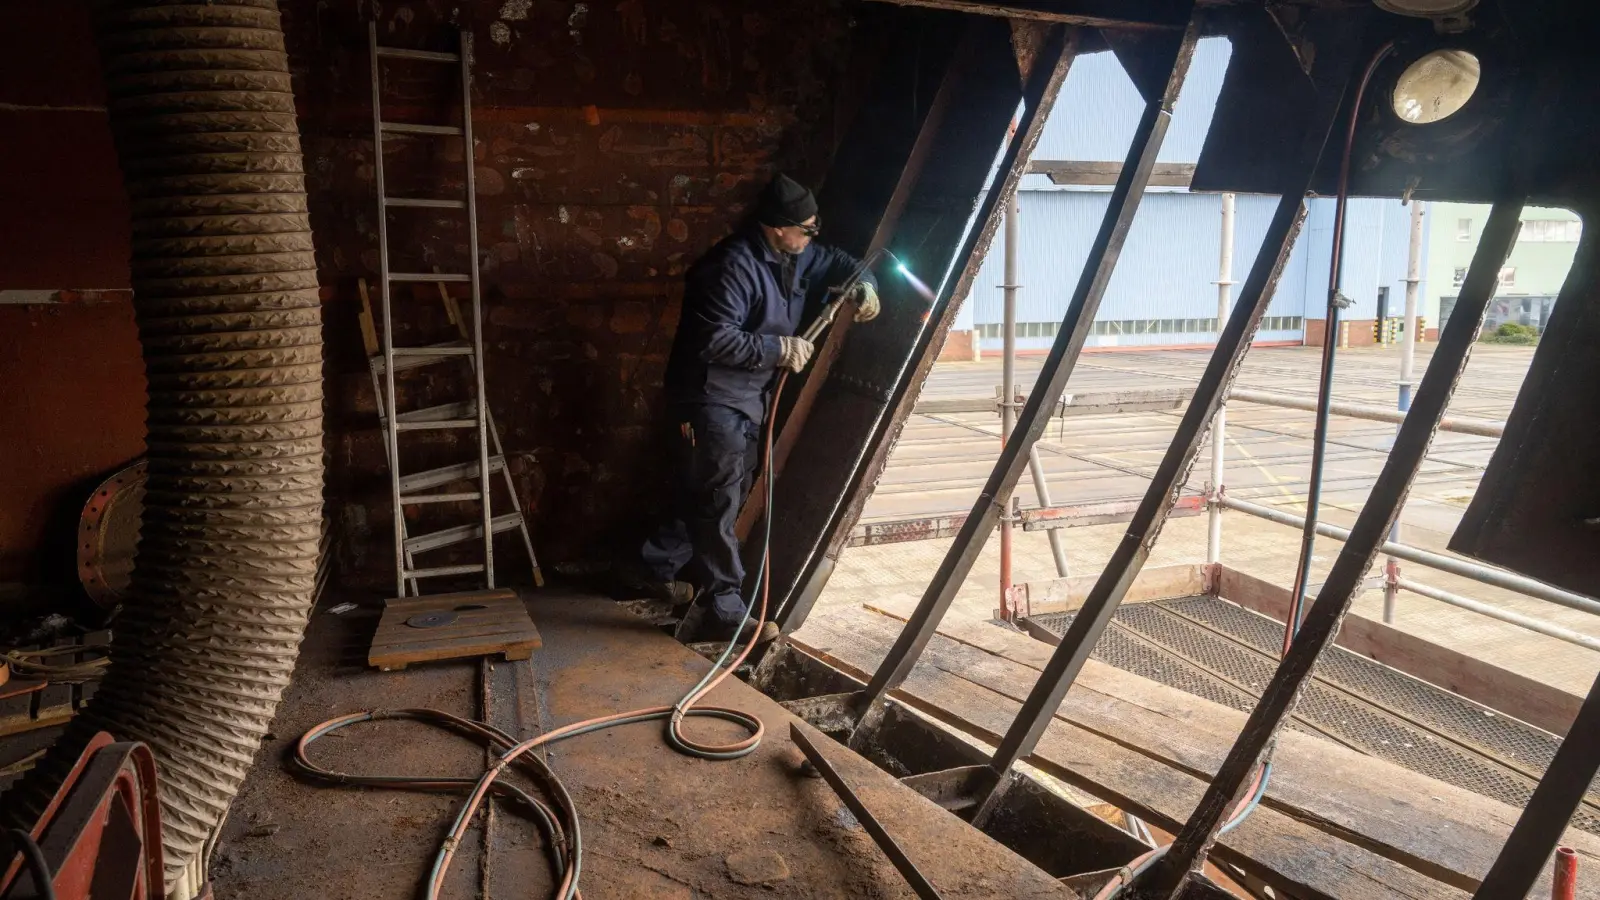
<point>866,298</point>
<point>794,353</point>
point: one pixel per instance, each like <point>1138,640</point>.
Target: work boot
<point>679,593</point>
<point>714,631</point>
<point>637,584</point>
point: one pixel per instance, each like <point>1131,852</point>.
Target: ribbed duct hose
<point>225,290</point>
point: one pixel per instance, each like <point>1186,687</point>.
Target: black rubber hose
<point>225,292</point>
<point>44,884</point>
<point>1330,346</point>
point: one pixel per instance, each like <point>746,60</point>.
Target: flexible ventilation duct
<point>225,290</point>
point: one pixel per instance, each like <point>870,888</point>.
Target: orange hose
<point>517,752</point>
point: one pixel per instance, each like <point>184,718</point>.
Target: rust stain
<point>489,180</point>
<point>634,25</point>
<point>585,316</point>
<point>598,184</point>
<point>630,317</point>
<point>649,219</point>
<point>77,413</point>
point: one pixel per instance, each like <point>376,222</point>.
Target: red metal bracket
<point>101,833</point>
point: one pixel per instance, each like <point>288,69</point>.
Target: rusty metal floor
<point>656,824</point>
<point>1214,649</point>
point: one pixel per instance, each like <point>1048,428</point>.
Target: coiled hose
<point>558,821</point>
<point>225,292</point>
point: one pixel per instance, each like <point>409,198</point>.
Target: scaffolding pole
<point>1008,414</point>
<point>1504,615</point>
<point>1500,578</point>
<point>1479,427</point>
<point>1408,360</point>
<point>1008,391</point>
<point>1408,334</point>
<point>1219,422</point>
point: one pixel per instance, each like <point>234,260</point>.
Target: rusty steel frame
<point>1122,14</point>
<point>897,855</point>
<point>1166,878</point>
<point>1064,352</point>
<point>1233,343</point>
<point>1538,830</point>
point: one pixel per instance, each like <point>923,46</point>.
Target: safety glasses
<point>810,231</point>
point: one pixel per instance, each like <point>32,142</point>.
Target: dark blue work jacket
<point>734,310</point>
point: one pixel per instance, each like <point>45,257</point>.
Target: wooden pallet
<point>473,623</point>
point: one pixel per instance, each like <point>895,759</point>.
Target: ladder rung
<point>461,533</point>
<point>429,276</point>
<point>424,55</point>
<point>466,409</point>
<point>412,357</point>
<point>437,425</point>
<point>424,203</point>
<point>417,128</point>
<point>437,571</point>
<point>454,348</point>
<point>415,499</point>
<point>432,478</point>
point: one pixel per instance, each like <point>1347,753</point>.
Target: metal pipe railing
<point>1480,427</point>
<point>1495,612</point>
<point>1470,570</point>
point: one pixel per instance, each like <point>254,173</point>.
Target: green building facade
<point>1531,278</point>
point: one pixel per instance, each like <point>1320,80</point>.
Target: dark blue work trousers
<point>715,453</point>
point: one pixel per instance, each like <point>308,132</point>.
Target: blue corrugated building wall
<point>1164,289</point>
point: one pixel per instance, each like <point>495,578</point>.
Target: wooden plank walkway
<point>1336,824</point>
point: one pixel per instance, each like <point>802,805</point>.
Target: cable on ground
<point>558,819</point>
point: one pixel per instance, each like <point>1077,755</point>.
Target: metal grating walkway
<point>1214,649</point>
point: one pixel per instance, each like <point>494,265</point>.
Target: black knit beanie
<point>785,202</point>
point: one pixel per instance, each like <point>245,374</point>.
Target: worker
<point>743,303</point>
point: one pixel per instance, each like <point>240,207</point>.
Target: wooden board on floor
<point>482,623</point>
<point>1057,595</point>
<point>1432,828</point>
<point>27,704</point>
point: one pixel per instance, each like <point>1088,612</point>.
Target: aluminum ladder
<point>470,415</point>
